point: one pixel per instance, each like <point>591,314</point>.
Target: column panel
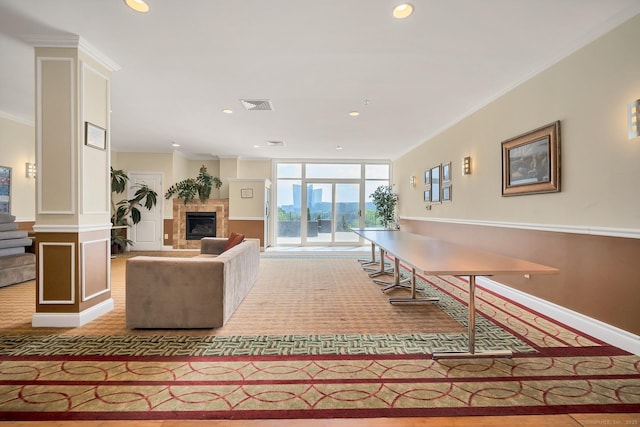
<point>56,281</point>
<point>55,136</point>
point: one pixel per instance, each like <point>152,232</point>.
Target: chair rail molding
<point>629,233</point>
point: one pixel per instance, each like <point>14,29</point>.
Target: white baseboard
<point>597,329</point>
<point>71,320</point>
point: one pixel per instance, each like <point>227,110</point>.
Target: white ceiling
<point>185,61</point>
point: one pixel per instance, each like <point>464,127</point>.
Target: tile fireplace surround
<point>219,206</point>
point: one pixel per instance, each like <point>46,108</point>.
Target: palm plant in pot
<point>385,200</point>
<point>187,189</point>
<point>125,209</point>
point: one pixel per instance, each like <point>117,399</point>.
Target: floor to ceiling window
<point>319,203</point>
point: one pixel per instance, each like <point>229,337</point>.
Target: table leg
<point>413,298</point>
<point>471,333</point>
<point>397,283</point>
<point>369,264</point>
<point>382,270</point>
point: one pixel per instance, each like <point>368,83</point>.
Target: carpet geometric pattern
<point>554,370</point>
<point>489,336</point>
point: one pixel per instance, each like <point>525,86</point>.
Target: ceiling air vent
<point>256,104</point>
<point>275,143</point>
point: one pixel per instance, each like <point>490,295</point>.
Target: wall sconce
<point>466,166</point>
<point>30,170</point>
<point>632,118</point>
<point>412,181</point>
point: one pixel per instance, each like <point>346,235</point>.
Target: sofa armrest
<point>212,245</point>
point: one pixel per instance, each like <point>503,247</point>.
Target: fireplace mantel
<point>219,206</point>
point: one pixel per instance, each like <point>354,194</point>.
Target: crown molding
<point>72,41</point>
<point>21,120</point>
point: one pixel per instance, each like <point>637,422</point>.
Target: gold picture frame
<point>531,162</point>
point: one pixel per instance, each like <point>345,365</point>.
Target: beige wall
<point>588,92</point>
<point>590,230</point>
<point>255,169</point>
<point>246,207</point>
<point>180,169</point>
<point>95,183</point>
<point>17,147</point>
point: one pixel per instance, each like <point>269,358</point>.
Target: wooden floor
<point>569,420</point>
<point>520,421</point>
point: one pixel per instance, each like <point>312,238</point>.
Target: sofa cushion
<point>6,218</point>
<point>15,243</point>
<point>11,251</point>
<point>8,226</point>
<point>14,234</point>
<point>233,240</point>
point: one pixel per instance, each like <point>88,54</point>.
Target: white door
<point>147,234</point>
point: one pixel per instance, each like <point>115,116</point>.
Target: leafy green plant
<point>200,185</point>
<point>385,200</point>
<point>126,209</point>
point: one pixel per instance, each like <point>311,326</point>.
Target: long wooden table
<point>434,257</point>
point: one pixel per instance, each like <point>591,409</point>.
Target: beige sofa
<point>196,292</point>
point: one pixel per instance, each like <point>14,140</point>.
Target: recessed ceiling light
<point>175,144</point>
<point>403,10</point>
<point>338,147</point>
<point>137,5</point>
<point>227,111</point>
<point>354,113</point>
<point>256,146</point>
<point>275,143</point>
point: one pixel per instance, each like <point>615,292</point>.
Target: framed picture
<point>5,189</point>
<point>531,162</point>
<point>427,177</point>
<point>427,195</point>
<point>446,193</point>
<point>246,193</point>
<point>435,183</point>
<point>446,172</point>
<point>95,136</point>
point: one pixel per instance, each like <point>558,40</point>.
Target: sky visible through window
<point>289,178</point>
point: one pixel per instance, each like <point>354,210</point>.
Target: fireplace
<point>218,206</point>
<point>200,224</point>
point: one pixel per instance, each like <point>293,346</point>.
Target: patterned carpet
<point>373,368</point>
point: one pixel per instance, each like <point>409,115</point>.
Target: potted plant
<point>385,200</point>
<point>124,209</point>
<point>200,185</point>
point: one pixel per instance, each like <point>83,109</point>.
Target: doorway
<point>147,234</point>
<point>333,208</point>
